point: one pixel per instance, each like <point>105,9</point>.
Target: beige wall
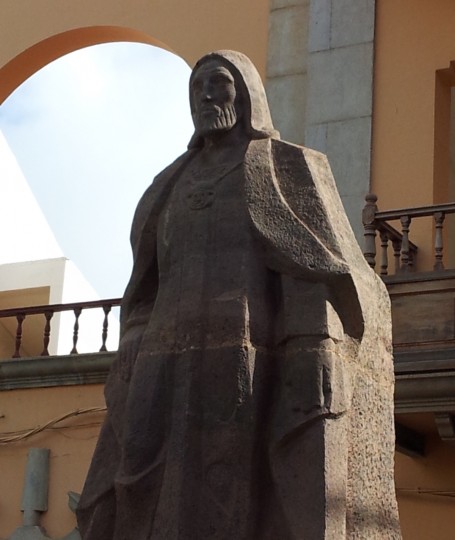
<point>414,39</point>
<point>32,327</point>
<point>424,516</point>
<point>71,442</point>
<point>35,33</point>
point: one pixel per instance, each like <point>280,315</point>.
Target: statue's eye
<point>221,79</point>
<point>196,86</point>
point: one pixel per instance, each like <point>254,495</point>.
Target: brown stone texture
<point>252,394</point>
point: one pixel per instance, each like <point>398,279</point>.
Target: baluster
<point>396,243</point>
<point>47,332</point>
<point>106,309</point>
<point>412,254</point>
<point>438,246</point>
<point>77,312</point>
<point>405,223</point>
<point>20,319</point>
<point>384,255</point>
<point>369,228</point>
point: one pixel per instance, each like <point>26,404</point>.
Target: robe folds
<point>248,330</point>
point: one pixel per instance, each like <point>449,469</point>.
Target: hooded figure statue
<point>252,394</point>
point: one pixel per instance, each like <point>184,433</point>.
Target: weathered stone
<point>286,96</point>
<point>351,207</point>
<point>29,532</point>
<point>280,4</point>
<point>350,154</point>
<point>340,82</point>
<point>316,137</point>
<point>288,35</point>
<point>338,86</point>
<point>352,22</point>
<point>252,393</point>
<point>319,33</point>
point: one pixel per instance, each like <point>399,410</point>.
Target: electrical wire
<point>423,491</point>
<point>16,436</point>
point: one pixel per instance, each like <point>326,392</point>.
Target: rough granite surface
<point>252,394</point>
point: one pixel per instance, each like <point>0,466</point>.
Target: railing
<point>48,312</point>
<point>404,251</point>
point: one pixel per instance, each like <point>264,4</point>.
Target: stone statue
<point>252,394</point>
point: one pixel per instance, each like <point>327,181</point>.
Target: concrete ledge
<point>423,316</point>
<point>41,372</point>
<point>424,360</point>
<point>416,277</point>
<point>425,380</point>
<point>425,392</point>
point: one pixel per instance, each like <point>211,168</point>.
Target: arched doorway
<point>90,131</point>
<point>39,55</point>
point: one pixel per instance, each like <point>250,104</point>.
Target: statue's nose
<point>207,93</point>
<point>207,97</point>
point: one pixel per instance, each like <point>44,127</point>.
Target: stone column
<point>320,86</point>
<point>286,83</point>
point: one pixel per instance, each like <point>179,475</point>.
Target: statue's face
<point>215,100</point>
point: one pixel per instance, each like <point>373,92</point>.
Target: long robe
<point>249,316</point>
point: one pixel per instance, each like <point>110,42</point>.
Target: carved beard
<point>219,119</point>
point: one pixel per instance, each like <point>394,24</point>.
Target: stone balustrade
<point>404,251</point>
<point>48,311</point>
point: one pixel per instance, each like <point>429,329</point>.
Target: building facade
<point>368,82</point>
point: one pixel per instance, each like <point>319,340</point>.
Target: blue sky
<point>90,131</point>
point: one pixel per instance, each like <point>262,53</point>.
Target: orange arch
<point>39,55</point>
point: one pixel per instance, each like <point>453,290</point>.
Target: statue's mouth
<point>207,111</point>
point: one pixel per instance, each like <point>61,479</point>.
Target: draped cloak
<point>205,391</point>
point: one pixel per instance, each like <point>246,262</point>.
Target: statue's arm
<point>312,378</point>
<point>140,293</point>
<point>298,218</point>
<point>321,319</point>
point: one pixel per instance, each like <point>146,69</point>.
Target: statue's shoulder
<point>161,181</point>
<point>285,150</point>
<point>303,167</point>
<point>165,176</point>
<point>301,174</point>
<point>156,194</point>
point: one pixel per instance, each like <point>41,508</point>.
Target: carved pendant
<point>201,198</point>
